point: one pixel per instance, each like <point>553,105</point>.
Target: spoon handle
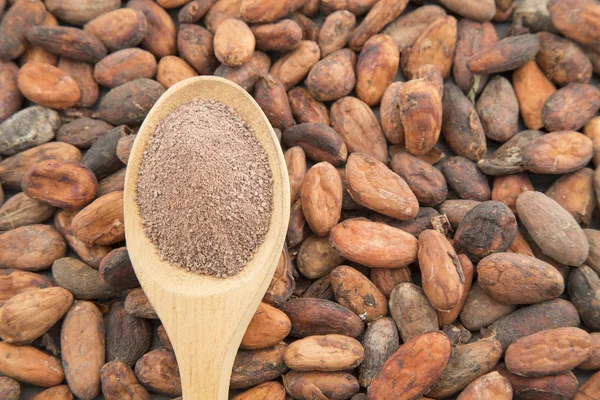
<point>206,333</point>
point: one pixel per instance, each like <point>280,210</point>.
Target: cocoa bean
<point>120,383</point>
<point>138,305</point>
<point>253,367</point>
<point>27,128</point>
<point>461,125</point>
<point>319,142</point>
<point>335,32</point>
<point>31,247</point>
<point>143,94</point>
<point>412,312</point>
<point>124,66</point>
<point>119,29</point>
<point>81,280</point>
<point>407,28</point>
<point>157,371</point>
<point>21,210</point>
<point>569,108</point>
<point>356,292</point>
<point>584,292</point>
<point>127,337</point>
<point>83,349</point>
<point>381,340</point>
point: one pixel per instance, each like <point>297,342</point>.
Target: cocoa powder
<point>204,189</point>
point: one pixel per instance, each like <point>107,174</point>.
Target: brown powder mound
<point>204,189</point>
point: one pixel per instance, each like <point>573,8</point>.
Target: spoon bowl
<point>206,317</point>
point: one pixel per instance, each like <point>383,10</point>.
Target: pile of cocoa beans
<point>417,265</point>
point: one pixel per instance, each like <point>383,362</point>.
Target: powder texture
<point>204,189</point>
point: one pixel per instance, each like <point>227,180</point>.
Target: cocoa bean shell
<point>519,279</point>
<point>411,310</point>
<point>358,126</point>
<point>157,370</point>
<point>9,388</point>
<point>43,245</point>
<point>171,70</point>
<point>593,260</point>
<point>15,23</point>
<point>137,304</point>
<point>389,112</point>
<point>435,45</point>
<point>59,392</point>
<point>316,257</point>
<point>82,349</point>
<point>28,315</point>
<point>220,11</point>
<point>271,96</point>
<point>321,385</point>
<point>316,353</point>
<point>267,327</point>
<point>61,184</point>
<point>284,35</point>
<point>124,66</point>
<point>119,29</point>
<point>127,337</point>
<point>311,316</point>
<point>381,340</point>
<point>577,20</point>
<point>406,29</point>
<point>11,98</point>
<point>14,168</point>
<point>92,255</point>
<point>335,32</point>
<point>510,158</point>
<point>194,10</point>
<point>528,320</point>
<point>116,270</point>
<point>553,229</point>
<point>562,61</point>
<point>532,89</point>
<point>81,280</point>
<point>253,367</point>
<point>356,292</point>
<point>575,193</point>
<point>421,115</point>
<point>560,386</point>
<point>68,42</point>
<point>465,179</point>
<point>161,34</point>
<point>13,282</point>
<point>380,14</point>
<point>472,9</point>
<point>461,125</point>
<point>82,132</point>
<point>427,183</point>
<point>498,110</point>
<point>321,196</point>
<point>570,107</point>
<point>506,55</point>
<point>373,244</point>
<point>540,354</point>
<point>29,365</point>
<point>490,386</point>
<point>376,68</point>
<point>143,93</point>
<point>21,210</point>
<point>268,10</point>
<point>283,282</point>
<point>294,65</point>
<point>333,77</point>
<point>297,228</point>
<point>472,37</point>
<point>307,109</point>
<point>584,287</point>
<point>120,382</point>
<point>48,86</point>
<point>373,185</point>
<point>27,128</point>
<point>195,45</point>
<point>248,74</point>
<point>467,363</point>
<point>509,187</point>
<point>489,227</point>
<point>414,368</point>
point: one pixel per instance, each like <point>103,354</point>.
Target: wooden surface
<point>206,317</point>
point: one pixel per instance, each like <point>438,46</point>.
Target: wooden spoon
<point>206,317</point>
